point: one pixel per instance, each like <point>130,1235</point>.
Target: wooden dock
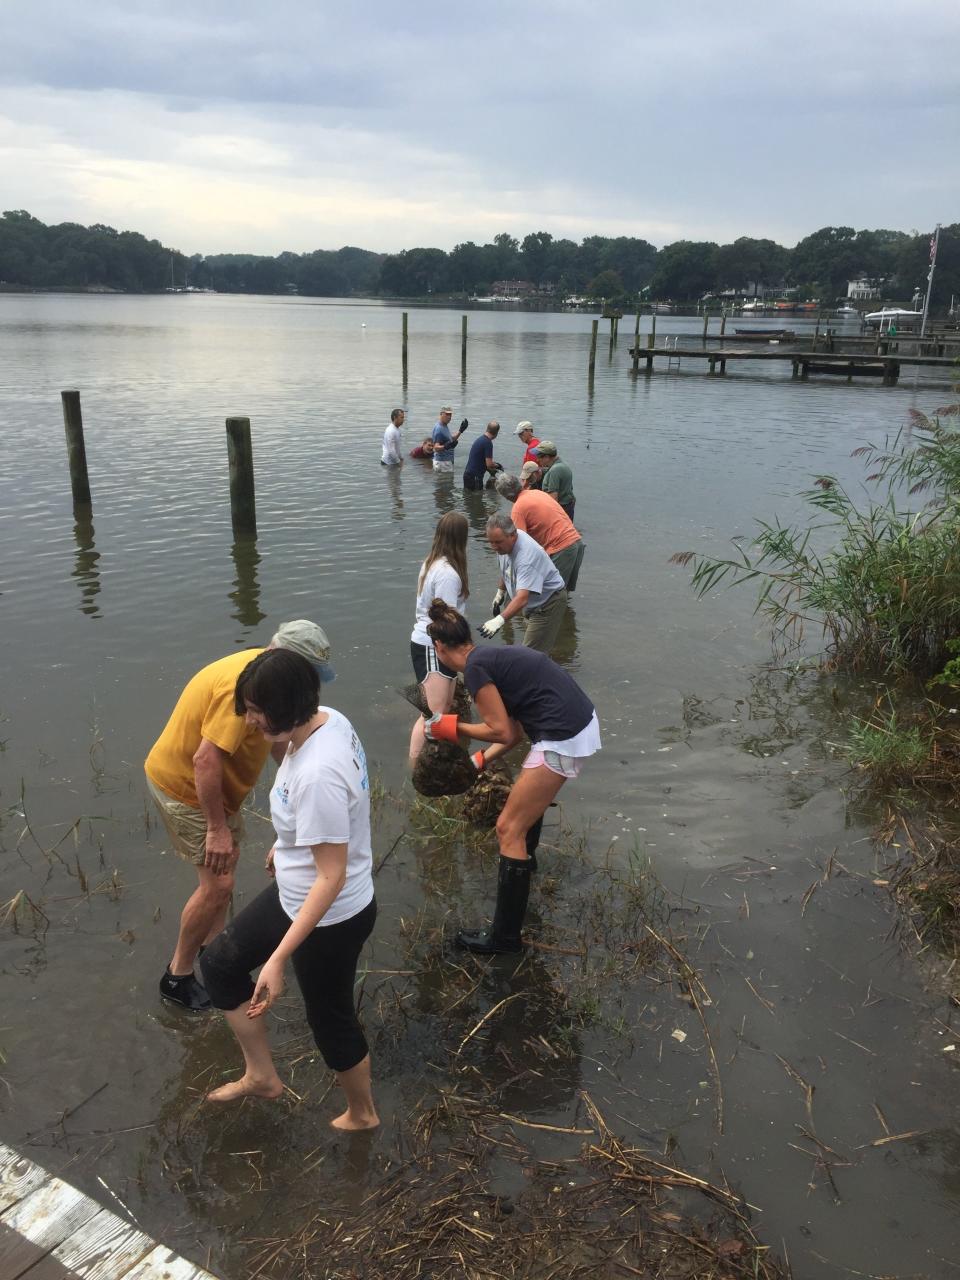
<point>51,1231</point>
<point>851,365</point>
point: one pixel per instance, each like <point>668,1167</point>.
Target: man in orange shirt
<point>199,772</point>
<point>542,517</point>
<point>529,441</point>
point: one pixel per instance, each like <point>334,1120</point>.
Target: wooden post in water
<point>816,332</point>
<point>463,345</point>
<point>593,347</point>
<point>636,328</point>
<point>706,322</point>
<point>76,451</point>
<point>652,335</point>
<point>243,506</point>
<point>723,322</point>
<point>403,347</point>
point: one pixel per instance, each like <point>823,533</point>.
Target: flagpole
<point>934,245</point>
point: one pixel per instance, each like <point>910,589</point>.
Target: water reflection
<point>566,650</point>
<point>85,561</point>
<point>478,506</point>
<point>395,489</point>
<point>246,584</point>
<point>445,485</point>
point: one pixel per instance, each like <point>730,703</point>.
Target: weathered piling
<point>403,347</point>
<point>723,322</point>
<point>706,323</point>
<point>816,332</point>
<point>463,345</point>
<point>243,506</point>
<point>76,451</point>
<point>593,347</point>
<point>652,335</point>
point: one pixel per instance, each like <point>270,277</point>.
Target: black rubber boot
<point>513,889</point>
<point>533,839</point>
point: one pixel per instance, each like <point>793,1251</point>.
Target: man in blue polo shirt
<point>444,442</point>
<point>480,463</point>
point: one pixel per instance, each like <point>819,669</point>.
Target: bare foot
<point>246,1088</point>
<point>351,1124</point>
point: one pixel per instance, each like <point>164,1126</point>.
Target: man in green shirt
<point>557,476</point>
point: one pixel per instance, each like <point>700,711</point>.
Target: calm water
<point>712,766</point>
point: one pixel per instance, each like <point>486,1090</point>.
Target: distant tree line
<point>68,255</point>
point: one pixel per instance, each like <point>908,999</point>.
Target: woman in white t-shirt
<point>443,575</point>
<point>320,910</point>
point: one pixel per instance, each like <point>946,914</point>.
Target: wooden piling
<point>76,451</point>
<point>816,332</point>
<point>706,321</point>
<point>243,507</point>
<point>652,335</point>
<point>403,347</point>
<point>593,347</point>
<point>723,322</point>
<point>463,344</point>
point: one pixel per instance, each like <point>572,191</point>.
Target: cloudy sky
<point>223,125</point>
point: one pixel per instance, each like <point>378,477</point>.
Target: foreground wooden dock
<point>844,364</point>
<point>51,1231</point>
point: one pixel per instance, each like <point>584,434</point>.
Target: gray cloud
<point>696,120</point>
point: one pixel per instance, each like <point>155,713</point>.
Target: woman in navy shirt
<point>518,691</point>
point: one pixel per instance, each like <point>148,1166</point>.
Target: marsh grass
<point>883,593</point>
<point>888,748</point>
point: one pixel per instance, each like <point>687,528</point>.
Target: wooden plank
<point>102,1249</point>
<point>44,1219</point>
<point>18,1177</point>
<point>163,1264</point>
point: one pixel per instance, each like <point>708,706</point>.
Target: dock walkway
<point>51,1231</point>
<point>850,365</point>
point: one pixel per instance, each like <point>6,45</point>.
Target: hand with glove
<point>463,426</point>
<point>492,626</point>
<point>440,728</point>
<point>498,600</point>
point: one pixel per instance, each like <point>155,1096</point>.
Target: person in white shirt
<point>391,455</point>
<point>443,575</point>
<point>321,909</point>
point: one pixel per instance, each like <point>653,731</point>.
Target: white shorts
<point>566,757</point>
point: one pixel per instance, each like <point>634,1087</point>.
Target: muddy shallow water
<point>717,773</point>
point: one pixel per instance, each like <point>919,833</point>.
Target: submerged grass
<point>506,1165</point>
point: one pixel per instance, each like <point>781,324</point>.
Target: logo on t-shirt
<point>360,762</point>
<point>283,793</point>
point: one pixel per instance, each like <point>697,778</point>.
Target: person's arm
<point>497,724</point>
<point>221,851</point>
<point>516,604</point>
<point>331,864</point>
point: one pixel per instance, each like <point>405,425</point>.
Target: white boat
<point>897,316</point>
<point>846,310</point>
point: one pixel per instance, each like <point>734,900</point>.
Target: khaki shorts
<point>187,827</point>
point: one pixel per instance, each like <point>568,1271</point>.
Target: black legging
<point>325,965</point>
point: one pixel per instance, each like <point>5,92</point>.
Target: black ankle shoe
<point>186,991</point>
